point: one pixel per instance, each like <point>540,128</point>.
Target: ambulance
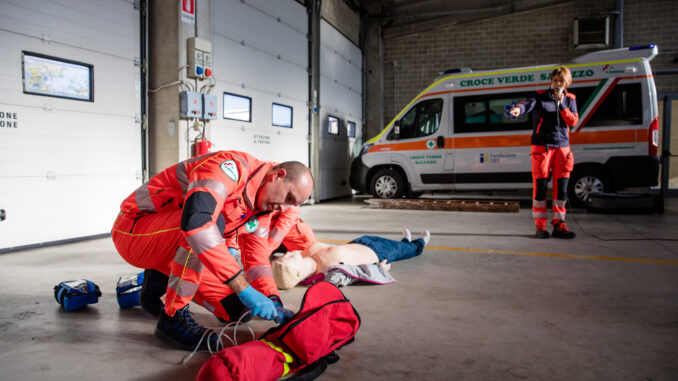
<point>457,134</point>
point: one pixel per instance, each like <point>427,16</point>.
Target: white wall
<point>68,164</point>
<point>261,51</point>
<point>340,96</point>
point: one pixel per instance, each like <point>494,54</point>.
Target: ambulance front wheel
<point>387,183</point>
<point>585,181</point>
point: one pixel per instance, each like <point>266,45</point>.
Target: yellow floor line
<point>514,252</point>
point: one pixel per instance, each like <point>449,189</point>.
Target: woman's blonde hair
<point>285,275</point>
<point>564,73</point>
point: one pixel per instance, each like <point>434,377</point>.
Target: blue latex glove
<point>258,304</point>
<point>233,251</point>
<point>283,313</point>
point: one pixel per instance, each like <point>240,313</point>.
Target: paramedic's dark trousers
<point>559,161</point>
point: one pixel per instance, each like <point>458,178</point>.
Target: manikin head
<point>561,78</point>
<point>286,184</point>
<point>291,269</point>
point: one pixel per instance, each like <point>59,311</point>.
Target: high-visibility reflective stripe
<point>542,215</point>
<point>538,204</point>
<point>559,203</point>
<point>143,199</point>
<point>288,357</point>
<point>559,216</point>
<point>187,259</point>
<point>257,272</point>
<point>205,239</point>
<point>242,161</point>
<point>182,287</point>
<point>276,235</point>
<point>261,232</point>
<point>218,187</point>
<point>182,176</point>
<point>207,305</point>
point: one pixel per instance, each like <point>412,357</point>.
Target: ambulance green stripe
<point>593,96</point>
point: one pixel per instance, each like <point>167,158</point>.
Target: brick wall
<point>655,22</point>
<point>536,37</point>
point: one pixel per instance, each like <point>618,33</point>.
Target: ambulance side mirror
<point>396,130</point>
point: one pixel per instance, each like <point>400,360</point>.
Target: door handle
<point>441,141</point>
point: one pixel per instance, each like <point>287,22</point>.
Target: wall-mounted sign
<point>9,119</point>
<point>188,11</point>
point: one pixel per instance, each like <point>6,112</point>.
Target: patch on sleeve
<point>252,225</point>
<point>230,169</point>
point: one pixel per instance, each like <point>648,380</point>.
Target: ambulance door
<point>420,146</point>
<point>491,148</point>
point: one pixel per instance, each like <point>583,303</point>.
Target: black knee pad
<point>562,188</point>
<point>541,189</point>
<point>234,308</point>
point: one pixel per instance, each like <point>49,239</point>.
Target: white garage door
<point>70,147</point>
<point>340,110</point>
<point>260,57</point>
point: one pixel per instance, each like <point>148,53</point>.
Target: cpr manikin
<point>296,266</point>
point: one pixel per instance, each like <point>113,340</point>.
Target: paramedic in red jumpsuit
<point>175,224</point>
<point>554,112</point>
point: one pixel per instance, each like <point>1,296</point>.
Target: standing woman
<point>555,111</point>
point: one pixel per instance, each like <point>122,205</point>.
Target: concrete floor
<point>485,301</point>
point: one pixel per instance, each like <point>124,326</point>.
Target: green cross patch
<point>252,225</point>
<point>430,144</point>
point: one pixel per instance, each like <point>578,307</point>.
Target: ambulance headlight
<point>365,149</point>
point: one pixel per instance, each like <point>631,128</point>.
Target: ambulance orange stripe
<point>588,137</point>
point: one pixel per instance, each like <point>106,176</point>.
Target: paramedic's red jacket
<point>216,193</point>
<point>550,128</point>
<point>257,245</point>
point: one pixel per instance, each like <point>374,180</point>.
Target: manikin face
<point>277,194</point>
<point>294,260</point>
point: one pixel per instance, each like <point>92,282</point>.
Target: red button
<point>208,72</point>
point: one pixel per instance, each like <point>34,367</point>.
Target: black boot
<point>154,287</point>
<point>541,233</point>
<point>182,332</point>
<point>560,230</point>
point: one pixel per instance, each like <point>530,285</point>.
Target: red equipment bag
<point>303,346</point>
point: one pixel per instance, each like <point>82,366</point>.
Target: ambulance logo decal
<point>252,225</point>
<point>430,144</point>
<point>230,169</point>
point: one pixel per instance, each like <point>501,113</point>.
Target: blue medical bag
<point>74,294</point>
<point>129,290</point>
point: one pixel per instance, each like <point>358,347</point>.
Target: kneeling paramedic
<point>175,224</point>
<point>554,112</point>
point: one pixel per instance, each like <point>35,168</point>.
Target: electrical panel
<point>199,58</point>
<point>209,104</point>
<point>190,104</point>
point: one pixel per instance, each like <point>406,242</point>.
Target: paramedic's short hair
<point>294,170</point>
<point>563,73</point>
<point>284,275</point>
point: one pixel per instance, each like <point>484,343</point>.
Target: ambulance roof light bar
<point>647,51</point>
<point>651,46</point>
